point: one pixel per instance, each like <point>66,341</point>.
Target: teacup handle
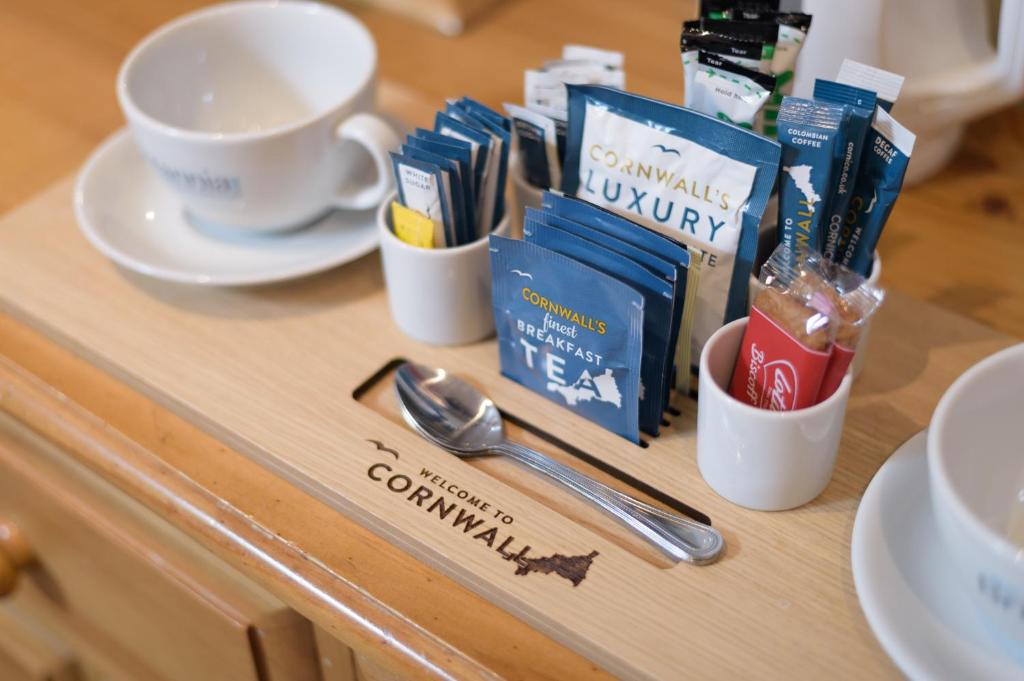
<point>377,137</point>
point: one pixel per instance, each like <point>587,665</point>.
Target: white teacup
<point>257,113</point>
<point>976,473</point>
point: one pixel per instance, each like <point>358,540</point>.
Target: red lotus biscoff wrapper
<point>786,347</point>
<point>855,300</point>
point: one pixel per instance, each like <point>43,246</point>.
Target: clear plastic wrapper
<point>787,345</point>
<point>855,301</point>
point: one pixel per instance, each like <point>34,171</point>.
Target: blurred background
<point>954,239</point>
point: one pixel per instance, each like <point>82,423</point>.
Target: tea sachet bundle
<point>451,180</point>
<point>590,309</point>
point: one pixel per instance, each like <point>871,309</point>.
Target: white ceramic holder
<point>757,458</point>
<point>440,296</point>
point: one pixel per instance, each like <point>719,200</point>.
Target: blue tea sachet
<point>886,155</point>
<point>656,361</point>
<point>685,258</point>
<point>651,261</point>
<point>569,333</point>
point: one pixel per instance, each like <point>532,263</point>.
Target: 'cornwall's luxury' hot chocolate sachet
<point>686,174</point>
<point>569,333</point>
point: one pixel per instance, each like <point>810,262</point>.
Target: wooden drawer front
<point>30,653</point>
<point>120,578</point>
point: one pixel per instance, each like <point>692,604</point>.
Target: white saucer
<point>915,603</point>
<point>131,217</point>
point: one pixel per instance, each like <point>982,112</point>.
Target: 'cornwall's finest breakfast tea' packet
<point>683,173</point>
<point>569,333</point>
<point>657,293</point>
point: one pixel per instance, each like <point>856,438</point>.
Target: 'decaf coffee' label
<point>685,174</point>
<point>569,333</point>
<point>774,370</point>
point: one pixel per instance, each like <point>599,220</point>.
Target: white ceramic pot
<point>976,473</point>
<point>440,296</point>
<point>762,459</point>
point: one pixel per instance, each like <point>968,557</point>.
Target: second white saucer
<point>131,217</point>
<point>913,600</point>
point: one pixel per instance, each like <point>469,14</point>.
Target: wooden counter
<point>392,608</point>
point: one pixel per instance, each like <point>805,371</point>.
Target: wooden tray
<point>272,372</point>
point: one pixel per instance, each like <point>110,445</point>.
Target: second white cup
<point>440,296</point>
<point>762,459</point>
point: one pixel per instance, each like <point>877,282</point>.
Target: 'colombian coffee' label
<point>774,370</point>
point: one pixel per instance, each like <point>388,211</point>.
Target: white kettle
<point>943,47</point>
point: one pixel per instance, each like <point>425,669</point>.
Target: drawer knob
<point>15,553</point>
<point>14,544</point>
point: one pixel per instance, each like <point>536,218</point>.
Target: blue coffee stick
<point>809,133</point>
<point>886,155</point>
<point>862,108</point>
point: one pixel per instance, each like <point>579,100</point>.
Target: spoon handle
<point>678,537</point>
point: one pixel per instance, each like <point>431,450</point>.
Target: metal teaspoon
<point>457,417</point>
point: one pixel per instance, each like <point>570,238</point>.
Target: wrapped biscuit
<point>855,300</point>
<point>787,345</point>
